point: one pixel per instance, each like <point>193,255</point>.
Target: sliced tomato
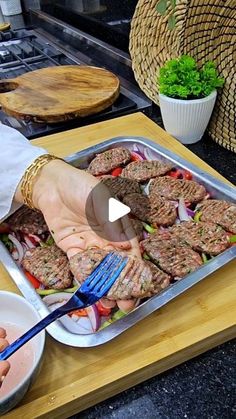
<point>176,174</point>
<point>32,279</point>
<point>116,172</point>
<point>80,312</point>
<point>32,239</point>
<point>187,175</point>
<point>135,156</point>
<point>103,311</point>
<point>4,228</point>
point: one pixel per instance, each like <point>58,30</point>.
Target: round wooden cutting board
<point>58,94</point>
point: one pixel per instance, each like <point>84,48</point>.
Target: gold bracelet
<point>30,175</point>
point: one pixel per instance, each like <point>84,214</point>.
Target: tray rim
<point>56,330</point>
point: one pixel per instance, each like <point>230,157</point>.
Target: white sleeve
<point>17,153</point>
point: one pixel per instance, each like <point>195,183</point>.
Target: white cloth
<point>17,153</point>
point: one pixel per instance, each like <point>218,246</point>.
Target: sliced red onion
<point>139,150</point>
<point>29,242</point>
<point>25,247</point>
<point>27,253</point>
<point>94,317</point>
<point>75,324</point>
<point>137,155</point>
<point>150,154</point>
<point>137,302</point>
<point>134,148</point>
<point>145,188</point>
<point>15,254</point>
<point>177,221</point>
<point>145,234</point>
<point>182,210</point>
<point>190,212</point>
<point>175,203</point>
<point>18,246</point>
<point>161,228</point>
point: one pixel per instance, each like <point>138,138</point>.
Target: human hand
<point>4,365</point>
<point>63,194</point>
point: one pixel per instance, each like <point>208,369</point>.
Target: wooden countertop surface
<point>72,379</point>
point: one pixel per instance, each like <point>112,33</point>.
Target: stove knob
<point>6,36</point>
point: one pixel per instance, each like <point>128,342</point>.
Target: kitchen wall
<point>108,20</point>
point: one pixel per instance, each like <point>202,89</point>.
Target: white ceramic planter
<point>186,120</point>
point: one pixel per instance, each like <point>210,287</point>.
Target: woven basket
<point>205,30</point>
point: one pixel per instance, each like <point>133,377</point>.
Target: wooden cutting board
<point>72,379</point>
<point>56,94</point>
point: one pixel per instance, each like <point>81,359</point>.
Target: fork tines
<point>105,274</point>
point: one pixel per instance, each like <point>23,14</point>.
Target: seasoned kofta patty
<point>49,265</point>
<point>27,221</point>
<point>153,209</point>
<point>221,212</point>
<point>83,263</point>
<point>138,279</point>
<point>159,278</point>
<point>171,255</point>
<point>173,189</point>
<point>204,237</point>
<point>105,162</point>
<point>145,170</point>
<point>121,186</point>
<point>138,228</point>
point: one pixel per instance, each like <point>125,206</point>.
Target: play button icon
<point>116,210</point>
<point>106,214</point>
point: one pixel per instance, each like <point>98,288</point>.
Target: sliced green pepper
<point>197,216</point>
<point>71,290</point>
<point>47,292</point>
<point>149,228</point>
<point>232,239</point>
<point>49,242</point>
<point>105,324</point>
<point>204,258</point>
<point>8,243</point>
<point>118,315</point>
<point>145,256</point>
<point>52,291</point>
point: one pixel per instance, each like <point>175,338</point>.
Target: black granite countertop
<point>204,387</point>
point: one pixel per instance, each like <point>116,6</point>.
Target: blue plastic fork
<point>94,287</point>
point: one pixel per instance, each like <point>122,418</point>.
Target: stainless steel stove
<point>51,42</point>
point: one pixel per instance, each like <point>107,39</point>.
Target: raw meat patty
<point>105,162</point>
<point>174,189</point>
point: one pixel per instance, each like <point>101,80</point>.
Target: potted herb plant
<point>187,97</point>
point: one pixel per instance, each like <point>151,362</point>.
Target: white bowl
<point>16,310</point>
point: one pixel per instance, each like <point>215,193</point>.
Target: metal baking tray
<point>81,159</point>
